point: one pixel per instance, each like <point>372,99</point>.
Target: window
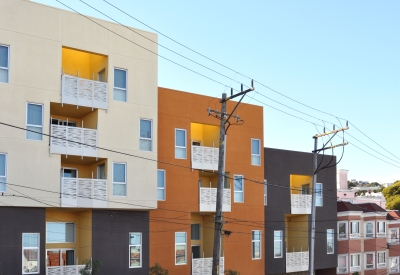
<point>4,63</point>
<point>330,233</point>
<point>195,232</point>
<point>120,85</point>
<point>30,253</point>
<point>318,195</point>
<point>380,229</point>
<point>180,144</point>
<point>369,260</point>
<point>354,262</point>
<point>60,232</point>
<point>265,192</point>
<point>394,265</point>
<point>342,264</point>
<point>3,172</point>
<point>393,232</point>
<point>34,121</point>
<point>101,171</point>
<point>256,244</point>
<point>180,248</point>
<point>278,244</point>
<point>255,152</point>
<point>56,121</point>
<point>369,229</point>
<point>342,229</point>
<point>238,188</point>
<point>119,179</point>
<point>161,185</point>
<point>354,229</point>
<point>145,134</point>
<point>101,76</point>
<point>381,259</point>
<point>135,250</point>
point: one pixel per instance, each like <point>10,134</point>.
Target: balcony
<point>79,192</point>
<point>84,92</point>
<point>208,199</point>
<point>301,204</point>
<point>205,158</point>
<point>297,261</point>
<point>73,141</point>
<point>64,270</point>
<point>203,266</point>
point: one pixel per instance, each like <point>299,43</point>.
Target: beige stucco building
<point>85,90</point>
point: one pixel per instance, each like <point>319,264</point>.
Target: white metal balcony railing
<point>84,92</point>
<point>203,266</point>
<point>73,141</point>
<point>208,199</point>
<point>64,270</point>
<point>205,158</point>
<point>78,192</point>
<point>301,204</point>
<point>297,261</point>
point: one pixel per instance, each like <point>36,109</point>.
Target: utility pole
<point>314,190</point>
<point>224,117</point>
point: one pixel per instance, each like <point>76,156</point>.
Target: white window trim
<point>62,242</point>
<point>373,229</point>
<point>164,188</point>
<point>60,250</point>
<point>355,268</point>
<point>373,260</point>
<point>121,183</point>
<point>280,242</point>
<point>141,246</point>
<point>181,147</point>
<point>378,233</point>
<point>234,191</point>
<point>259,150</point>
<point>317,195</point>
<point>255,241</point>
<point>8,64</point>
<point>32,125</point>
<point>5,173</point>
<point>185,244</point>
<point>347,230</point>
<point>354,235</point>
<point>29,247</point>
<point>397,266</point>
<point>151,133</point>
<point>330,237</point>
<point>396,241</point>
<point>347,264</point>
<point>118,88</point>
<point>378,264</point>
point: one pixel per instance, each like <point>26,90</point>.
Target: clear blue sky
<point>341,57</point>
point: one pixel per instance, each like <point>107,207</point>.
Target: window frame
<point>65,234</point>
<point>358,267</point>
<point>141,249</point>
<point>5,173</point>
<point>8,63</point>
<point>253,241</point>
<point>347,230</point>
<point>33,125</point>
<point>191,231</point>
<point>354,235</point>
<point>259,152</point>
<point>378,233</point>
<point>373,260</point>
<point>143,138</point>
<point>235,191</point>
<point>390,264</point>
<point>120,183</point>
<point>397,236</point>
<point>347,264</point>
<point>162,188</point>
<point>330,236</point>
<point>185,244</point>
<point>373,229</point>
<point>31,247</point>
<point>319,196</point>
<point>378,263</point>
<point>181,147</point>
<point>118,88</point>
<point>280,241</point>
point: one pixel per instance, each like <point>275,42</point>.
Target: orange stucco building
<point>182,227</point>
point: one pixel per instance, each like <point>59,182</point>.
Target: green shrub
<point>91,267</point>
<point>231,272</point>
<point>157,270</point>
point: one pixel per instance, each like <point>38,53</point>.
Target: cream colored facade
<point>39,39</point>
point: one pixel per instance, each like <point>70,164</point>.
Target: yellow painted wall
<point>207,134</point>
<point>296,233</point>
<point>296,181</point>
<point>90,120</point>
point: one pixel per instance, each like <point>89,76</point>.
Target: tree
<point>91,267</point>
<point>351,184</point>
<point>231,272</point>
<point>392,197</point>
<point>157,270</point>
